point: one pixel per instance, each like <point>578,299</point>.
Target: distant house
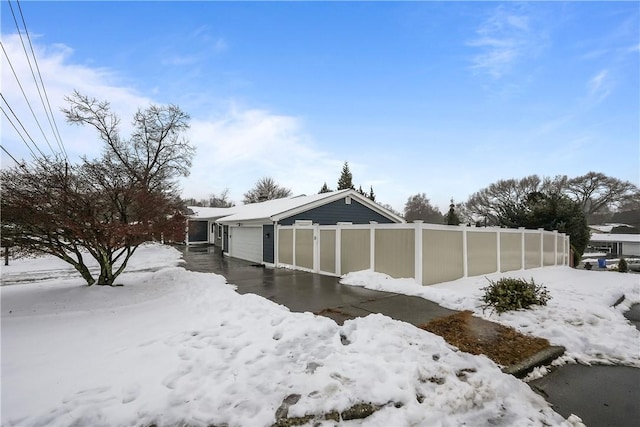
<point>248,231</point>
<point>615,244</point>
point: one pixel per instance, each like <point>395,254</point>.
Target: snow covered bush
<point>509,293</point>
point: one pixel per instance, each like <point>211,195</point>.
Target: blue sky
<point>436,97</point>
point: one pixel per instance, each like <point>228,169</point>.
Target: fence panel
<point>328,251</point>
<point>510,251</point>
<point>395,252</point>
<point>531,250</point>
<point>549,246</point>
<point>482,252</point>
<point>304,248</point>
<point>355,250</point>
<point>442,256</point>
<point>285,246</point>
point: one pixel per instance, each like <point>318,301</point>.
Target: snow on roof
<point>200,212</point>
<point>265,210</point>
<point>606,228</point>
<point>627,238</point>
<point>272,208</point>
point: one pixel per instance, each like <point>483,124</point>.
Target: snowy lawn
<point>173,346</point>
<point>579,316</point>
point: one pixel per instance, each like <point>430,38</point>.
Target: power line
<point>44,88</point>
<point>12,158</point>
<point>23,128</point>
<point>25,97</point>
<point>36,83</point>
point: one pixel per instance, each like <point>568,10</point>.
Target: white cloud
<point>600,86</point>
<point>61,77</point>
<point>502,40</point>
<point>234,149</point>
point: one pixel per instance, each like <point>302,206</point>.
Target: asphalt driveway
<point>301,291</point>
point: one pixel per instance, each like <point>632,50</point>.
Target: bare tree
<point>102,208</point>
<point>599,193</point>
<point>391,209</point>
<point>418,207</point>
<point>221,200</point>
<point>491,203</point>
<point>265,189</point>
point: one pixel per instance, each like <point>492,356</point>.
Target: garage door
<point>246,243</point>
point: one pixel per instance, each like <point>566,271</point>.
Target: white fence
<point>429,253</point>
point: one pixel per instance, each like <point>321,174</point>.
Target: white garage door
<point>246,243</point>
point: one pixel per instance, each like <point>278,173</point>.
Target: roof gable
<point>273,210</point>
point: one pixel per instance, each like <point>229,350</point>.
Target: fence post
<point>276,242</point>
<point>338,249</point>
<point>541,230</point>
<point>555,248</point>
<point>417,251</point>
<point>316,248</point>
<point>465,255</point>
<point>522,247</point>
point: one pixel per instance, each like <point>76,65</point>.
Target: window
<point>219,232</point>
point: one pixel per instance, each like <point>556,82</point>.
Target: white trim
<point>541,230</point>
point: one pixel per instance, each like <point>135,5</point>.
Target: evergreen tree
<point>346,178</point>
<point>324,189</point>
<point>372,195</point>
<point>452,217</point>
<point>360,190</point>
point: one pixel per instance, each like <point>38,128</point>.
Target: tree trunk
<point>85,273</point>
<point>106,277</point>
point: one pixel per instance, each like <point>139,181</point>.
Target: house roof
<point>200,212</point>
<point>274,210</point>
<point>606,228</point>
<point>625,238</point>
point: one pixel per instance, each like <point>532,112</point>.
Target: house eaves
<point>275,210</point>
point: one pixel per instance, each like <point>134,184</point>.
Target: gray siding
<point>338,211</point>
<point>267,243</point>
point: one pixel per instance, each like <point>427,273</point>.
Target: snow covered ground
<point>579,316</point>
<point>173,346</point>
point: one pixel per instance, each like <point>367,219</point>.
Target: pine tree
<point>360,190</point>
<point>452,217</point>
<point>372,195</point>
<point>346,178</point>
<point>324,189</point>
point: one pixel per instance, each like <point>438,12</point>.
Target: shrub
<point>513,294</point>
<point>622,265</point>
